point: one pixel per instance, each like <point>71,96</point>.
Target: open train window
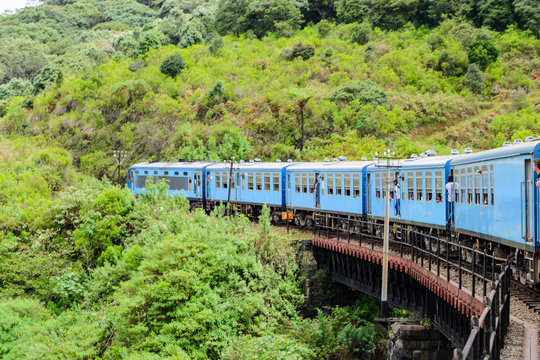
<point>199,179</point>
<point>145,172</point>
<point>347,180</point>
<point>377,186</point>
<point>330,184</point>
<point>339,185</point>
<point>225,179</point>
<point>190,184</point>
<point>185,173</point>
<point>410,185</point>
<point>276,181</point>
<point>419,186</point>
<point>438,186</point>
<point>456,180</point>
<point>304,183</point>
<point>485,199</point>
<point>136,172</point>
<point>250,181</point>
<point>155,172</point>
<point>356,185</point>
<point>429,186</point>
<point>477,182</point>
<point>491,184</point>
<point>258,181</point>
<point>469,186</point>
<point>311,183</point>
<point>218,180</point>
<point>266,181</point>
<point>176,173</point>
<point>297,182</point>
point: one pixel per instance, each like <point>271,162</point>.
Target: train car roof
<point>250,166</point>
<point>418,163</point>
<point>173,165</point>
<point>331,166</point>
<point>501,152</point>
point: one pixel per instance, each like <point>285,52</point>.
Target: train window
<point>330,184</point>
<point>429,186</point>
<point>383,178</point>
<point>166,173</point>
<point>155,172</point>
<point>225,179</point>
<point>419,186</point>
<point>218,180</point>
<point>266,181</point>
<point>276,181</point>
<point>250,181</point>
<point>232,181</point>
<point>289,181</point>
<point>321,180</point>
<point>297,182</point>
<point>136,172</point>
<point>438,186</point>
<point>304,183</point>
<point>477,182</point>
<point>410,185</point>
<point>339,185</point>
<point>377,185</point>
<point>185,173</point>
<point>485,200</point>
<point>311,183</point>
<point>190,184</point>
<point>347,184</point>
<point>145,172</point>
<point>198,179</point>
<point>258,181</point>
<point>356,184</point>
<point>176,173</point>
<point>491,183</point>
<point>242,179</point>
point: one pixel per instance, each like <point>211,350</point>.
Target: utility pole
<point>119,156</point>
<point>386,238</point>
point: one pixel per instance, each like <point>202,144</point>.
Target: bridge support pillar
<point>417,342</point>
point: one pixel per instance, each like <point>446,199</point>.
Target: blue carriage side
<point>327,186</point>
<point>497,196</point>
<point>255,183</point>
<point>183,178</point>
<point>422,190</point>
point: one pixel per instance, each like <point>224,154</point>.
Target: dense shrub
<point>360,33</point>
<point>366,92</point>
<point>173,65</point>
<point>483,52</point>
<point>474,79</point>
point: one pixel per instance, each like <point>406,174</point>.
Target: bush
<point>360,33</point>
<point>298,50</point>
<point>474,79</point>
<point>173,65</point>
<point>367,92</point>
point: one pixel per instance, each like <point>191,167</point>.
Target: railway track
<point>528,296</point>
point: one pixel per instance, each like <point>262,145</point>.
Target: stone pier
<point>417,342</point>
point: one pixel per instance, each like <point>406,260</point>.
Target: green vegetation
<point>88,271</point>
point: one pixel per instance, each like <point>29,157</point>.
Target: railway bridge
<point>467,301</point>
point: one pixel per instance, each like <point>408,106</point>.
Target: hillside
<point>358,87</point>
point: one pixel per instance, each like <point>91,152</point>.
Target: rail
<point>450,257</point>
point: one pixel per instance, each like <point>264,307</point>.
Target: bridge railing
<point>458,259</point>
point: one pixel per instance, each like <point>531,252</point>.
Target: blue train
<point>496,199</point>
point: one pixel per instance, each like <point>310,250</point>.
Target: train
<point>496,195</point>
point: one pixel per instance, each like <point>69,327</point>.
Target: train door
<point>368,193</point>
<point>317,190</point>
<point>289,191</point>
<point>197,182</point>
<point>527,203</point>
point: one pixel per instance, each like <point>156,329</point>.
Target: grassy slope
<point>160,118</point>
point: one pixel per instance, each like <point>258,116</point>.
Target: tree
<point>264,16</point>
<point>497,14</point>
<point>349,11</point>
<point>474,79</point>
<point>173,65</point>
<point>301,97</point>
<point>528,13</point>
<point>231,16</point>
<point>482,52</point>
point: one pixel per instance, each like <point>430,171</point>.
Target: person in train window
<point>451,187</point>
<point>397,192</point>
<point>536,168</point>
